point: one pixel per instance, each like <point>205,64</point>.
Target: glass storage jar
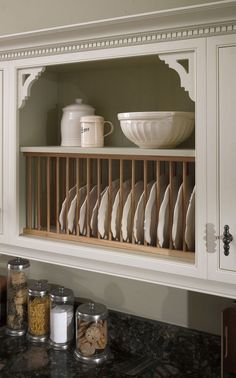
<point>38,311</point>
<point>3,300</point>
<point>17,295</point>
<point>61,317</point>
<point>91,333</point>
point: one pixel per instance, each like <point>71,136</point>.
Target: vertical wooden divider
<point>57,193</point>
<point>67,190</point>
<point>29,193</point>
<point>145,182</point>
<point>39,193</point>
<point>158,195</point>
<point>48,194</point>
<point>170,204</point>
<point>132,197</point>
<point>109,198</point>
<point>121,197</point>
<point>88,196</point>
<point>99,186</point>
<point>184,203</point>
<point>77,196</point>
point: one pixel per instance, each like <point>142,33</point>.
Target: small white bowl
<point>157,129</point>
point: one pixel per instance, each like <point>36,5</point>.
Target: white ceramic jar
<point>70,122</point>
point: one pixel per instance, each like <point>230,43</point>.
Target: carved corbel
<point>26,78</point>
<point>187,76</point>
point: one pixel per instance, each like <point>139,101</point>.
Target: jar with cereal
<point>38,311</point>
<point>17,295</point>
<point>91,333</point>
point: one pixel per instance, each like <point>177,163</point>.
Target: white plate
<point>94,216</point>
<point>150,217</point>
<point>115,215</point>
<point>73,206</point>
<point>190,223</point>
<point>83,209</point>
<point>103,225</point>
<point>177,227</point>
<point>163,221</point>
<point>126,221</point>
<point>66,205</point>
<point>138,225</point>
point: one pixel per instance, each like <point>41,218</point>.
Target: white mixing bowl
<point>157,129</point>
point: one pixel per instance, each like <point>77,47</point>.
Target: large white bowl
<point>157,129</point>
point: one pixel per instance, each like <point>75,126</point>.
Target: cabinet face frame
<point>1,147</point>
<point>214,234</point>
<point>103,259</point>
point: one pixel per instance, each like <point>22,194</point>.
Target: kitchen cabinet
<point>122,67</point>
<point>221,156</point>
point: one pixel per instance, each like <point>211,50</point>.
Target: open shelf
<point>124,151</point>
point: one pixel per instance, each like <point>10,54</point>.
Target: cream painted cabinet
<point>222,158</point>
<point>139,63</point>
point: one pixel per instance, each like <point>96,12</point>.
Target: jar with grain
<point>38,311</point>
<point>91,333</point>
<point>61,317</point>
<point>17,296</point>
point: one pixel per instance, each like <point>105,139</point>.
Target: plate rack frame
<point>90,162</point>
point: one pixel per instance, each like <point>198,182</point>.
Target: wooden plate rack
<point>52,172</point>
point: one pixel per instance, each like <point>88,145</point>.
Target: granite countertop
<point>169,351</point>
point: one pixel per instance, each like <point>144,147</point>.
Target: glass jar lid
<point>18,264</point>
<point>61,294</point>
<point>79,106</point>
<point>92,311</point>
<point>38,288</point>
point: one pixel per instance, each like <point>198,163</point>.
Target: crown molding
<point>182,23</point>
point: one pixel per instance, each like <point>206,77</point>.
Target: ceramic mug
<point>92,131</point>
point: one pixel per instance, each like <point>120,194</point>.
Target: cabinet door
<point>222,155</point>
<point>227,151</point>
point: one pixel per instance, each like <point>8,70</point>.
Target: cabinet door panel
<point>227,150</point>
<point>1,151</point>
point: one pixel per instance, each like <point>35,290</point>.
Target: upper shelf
<point>127,151</point>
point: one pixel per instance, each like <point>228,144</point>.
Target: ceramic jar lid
<point>79,107</point>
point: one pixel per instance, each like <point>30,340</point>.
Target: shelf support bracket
<point>26,78</point>
<point>184,64</point>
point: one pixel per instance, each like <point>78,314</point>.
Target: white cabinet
<point>222,157</point>
<point>125,66</point>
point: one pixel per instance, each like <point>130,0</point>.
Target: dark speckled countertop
<point>166,350</point>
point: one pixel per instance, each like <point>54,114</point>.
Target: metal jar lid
<point>38,288</point>
<point>92,311</point>
<point>61,294</point>
<point>18,264</point>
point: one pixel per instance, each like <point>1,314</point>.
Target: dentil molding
<point>121,40</point>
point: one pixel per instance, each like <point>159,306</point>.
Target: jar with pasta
<point>61,317</point>
<point>91,333</point>
<point>17,295</point>
<point>38,311</point>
